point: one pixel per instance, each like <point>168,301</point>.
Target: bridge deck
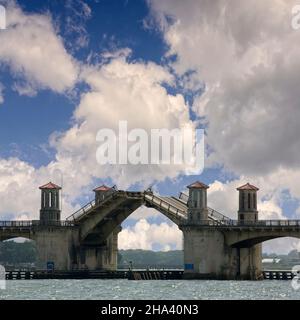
<point>236,224</point>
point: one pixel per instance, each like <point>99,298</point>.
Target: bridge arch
<point>18,252</point>
<point>11,235</point>
<point>143,239</point>
<point>161,231</point>
<point>102,219</point>
<point>256,237</point>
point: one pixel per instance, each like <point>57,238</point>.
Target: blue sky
<point>81,59</point>
<point>114,24</point>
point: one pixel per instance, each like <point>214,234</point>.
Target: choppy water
<point>160,290</point>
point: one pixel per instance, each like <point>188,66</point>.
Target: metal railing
<point>237,223</point>
<point>183,196</point>
<point>163,204</point>
<point>32,223</point>
<point>81,211</point>
<point>90,205</point>
<point>219,216</point>
<point>10,224</point>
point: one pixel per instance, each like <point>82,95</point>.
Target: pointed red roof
<point>102,188</point>
<point>247,186</point>
<point>50,185</point>
<point>198,185</point>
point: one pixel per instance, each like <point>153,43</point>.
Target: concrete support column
<point>250,262</point>
<point>204,254</point>
<point>101,256</point>
<point>207,256</point>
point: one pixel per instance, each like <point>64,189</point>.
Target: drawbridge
<point>97,219</point>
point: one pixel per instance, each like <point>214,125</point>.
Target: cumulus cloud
<point>35,53</point>
<point>223,197</point>
<point>144,235</point>
<point>121,90</point>
<point>247,53</point>
<point>19,193</point>
<point>77,13</point>
<point>118,90</point>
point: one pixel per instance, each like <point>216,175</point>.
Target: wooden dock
<point>41,274</point>
<point>156,275</point>
<point>279,274</point>
<point>125,274</point>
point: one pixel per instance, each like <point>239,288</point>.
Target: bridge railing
<point>31,223</point>
<point>183,196</point>
<point>18,223</point>
<point>61,223</point>
<point>237,223</point>
<point>165,205</point>
<point>86,208</point>
<point>219,216</point>
<point>81,211</point>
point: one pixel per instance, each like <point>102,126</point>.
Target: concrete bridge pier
<point>209,252</point>
<point>48,240</point>
<point>207,256</point>
<point>99,256</point>
<point>72,255</point>
<point>204,256</point>
<point>250,265</point>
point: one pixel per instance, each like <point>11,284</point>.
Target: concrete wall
<point>207,256</point>
<point>62,246</point>
<point>56,244</point>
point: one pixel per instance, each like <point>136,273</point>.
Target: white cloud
<point>281,245</point>
<point>121,90</point>
<point>144,235</point>
<point>24,89</point>
<point>247,54</point>
<point>19,193</point>
<point>1,93</point>
<point>223,197</point>
<point>144,213</point>
<point>34,51</point>
<point>77,13</point>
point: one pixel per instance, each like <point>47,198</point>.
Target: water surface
<point>153,290</point>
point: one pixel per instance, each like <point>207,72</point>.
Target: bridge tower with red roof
<point>50,202</point>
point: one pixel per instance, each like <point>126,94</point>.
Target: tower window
<point>243,201</point>
<point>44,200</point>
<point>249,201</point>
